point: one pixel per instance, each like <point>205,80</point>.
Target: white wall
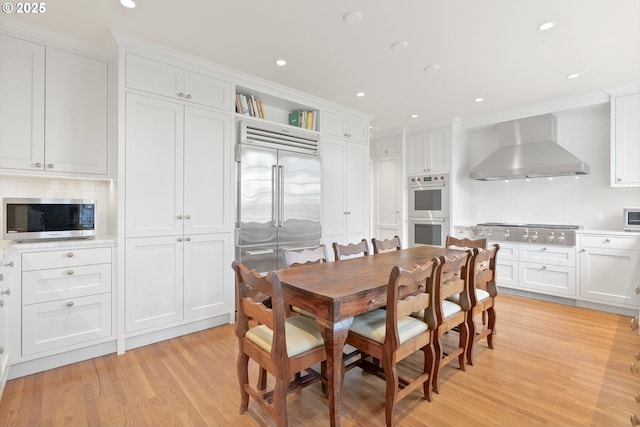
<point>563,200</point>
<point>18,186</point>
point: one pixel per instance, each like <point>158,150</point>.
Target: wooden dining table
<point>337,291</point>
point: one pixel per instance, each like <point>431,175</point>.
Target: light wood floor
<point>552,365</point>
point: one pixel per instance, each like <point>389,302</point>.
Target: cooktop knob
<point>551,237</point>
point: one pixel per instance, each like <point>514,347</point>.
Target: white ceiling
<point>484,48</point>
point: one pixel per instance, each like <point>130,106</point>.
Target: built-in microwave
<point>631,219</point>
<point>428,231</point>
<point>429,196</point>
<point>35,219</point>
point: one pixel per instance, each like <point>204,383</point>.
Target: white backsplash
<point>100,191</point>
<point>588,200</point>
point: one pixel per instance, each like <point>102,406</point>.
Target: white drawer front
<point>60,283</point>
<point>65,258</point>
<point>508,251</point>
<point>611,242</point>
<point>550,279</point>
<point>553,255</point>
<point>57,324</point>
<point>507,273</point>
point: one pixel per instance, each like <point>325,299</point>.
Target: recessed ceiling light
<point>128,3</point>
<point>414,116</point>
<point>401,45</point>
<point>281,62</point>
<point>352,17</point>
<point>546,26</point>
<point>573,76</point>
<point>360,94</point>
<point>432,68</point>
<point>478,100</point>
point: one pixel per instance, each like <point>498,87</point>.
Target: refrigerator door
<point>257,204</point>
<point>261,258</point>
<point>299,203</point>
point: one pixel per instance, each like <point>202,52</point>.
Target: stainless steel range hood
<point>528,149</point>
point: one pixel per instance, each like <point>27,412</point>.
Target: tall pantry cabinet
<point>177,190</point>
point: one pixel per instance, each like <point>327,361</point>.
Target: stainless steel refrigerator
<point>278,193</point>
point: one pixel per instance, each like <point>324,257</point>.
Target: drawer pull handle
<point>70,304</point>
<point>6,292</point>
<point>1,277</point>
<point>607,240</point>
<point>371,302</point>
<point>69,272</point>
<point>1,303</point>
<point>1,350</point>
<point>8,264</point>
<point>69,254</point>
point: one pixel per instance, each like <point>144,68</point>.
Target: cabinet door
<point>4,341</point>
<point>428,152</point>
<point>76,115</point>
<point>610,275</point>
<point>153,292</point>
<point>154,167</point>
<point>334,212</point>
<point>153,76</point>
<point>206,275</point>
<point>416,153</point>
<point>388,197</point>
<point>21,104</point>
<point>626,134</point>
<point>205,90</point>
<point>338,125</point>
<point>548,279</point>
<point>207,174</point>
<point>507,273</point>
<point>357,192</point>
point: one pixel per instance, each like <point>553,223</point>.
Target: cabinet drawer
<point>551,255</point>
<point>507,273</point>
<point>508,251</point>
<point>65,258</point>
<point>60,283</point>
<point>387,146</point>
<point>612,242</point>
<point>554,279</point>
<point>57,324</point>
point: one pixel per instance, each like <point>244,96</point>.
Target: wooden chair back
<point>452,280</point>
<point>386,245</point>
<point>465,243</point>
<point>293,257</point>
<point>482,272</point>
<point>352,249</point>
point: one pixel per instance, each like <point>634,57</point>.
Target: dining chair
<point>295,257</point>
<point>386,245</point>
<point>281,345</point>
<point>482,296</point>
<point>464,243</point>
<point>350,250</point>
<point>392,334</point>
<point>452,278</point>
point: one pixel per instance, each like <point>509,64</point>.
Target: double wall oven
<point>429,209</point>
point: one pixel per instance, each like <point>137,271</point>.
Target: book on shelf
<point>303,119</point>
<point>249,105</point>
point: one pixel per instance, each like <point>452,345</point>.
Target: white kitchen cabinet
<point>547,269</point>
<point>76,125</point>
<point>6,299</point>
<point>171,279</point>
<point>429,151</point>
<point>343,127</point>
<point>66,299</point>
<point>610,269</point>
<point>625,134</point>
<point>163,79</point>
<point>387,146</point>
<point>507,265</point>
<point>345,191</point>
<point>21,103</point>
<point>54,110</point>
<point>178,164</point>
<point>387,203</point>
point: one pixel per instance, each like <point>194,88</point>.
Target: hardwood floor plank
<point>552,365</point>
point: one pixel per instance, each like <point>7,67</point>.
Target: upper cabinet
<point>343,127</point>
<point>163,79</point>
<point>53,117</point>
<point>625,140</point>
<point>428,151</point>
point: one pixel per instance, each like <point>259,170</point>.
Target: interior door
<point>299,198</point>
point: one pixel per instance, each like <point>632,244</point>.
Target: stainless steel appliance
<point>631,219</point>
<point>278,193</point>
<point>35,219</point>
<point>428,231</point>
<point>429,196</point>
<point>546,234</point>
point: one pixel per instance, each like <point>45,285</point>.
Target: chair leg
<point>463,343</point>
<point>243,379</point>
<point>262,379</point>
<point>491,326</point>
<point>392,382</point>
<point>472,337</point>
<point>429,363</point>
<point>280,399</point>
<point>437,355</point>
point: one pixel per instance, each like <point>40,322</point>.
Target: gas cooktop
<point>550,226</point>
<point>546,234</point>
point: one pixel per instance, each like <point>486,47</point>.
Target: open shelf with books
<point>260,105</point>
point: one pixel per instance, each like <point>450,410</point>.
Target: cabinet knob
<point>179,217</point>
<point>8,264</point>
<point>1,277</point>
<point>69,254</point>
<point>70,272</point>
<point>635,421</point>
<point>181,95</point>
<point>6,292</point>
<point>70,304</point>
<point>634,324</point>
<point>50,165</point>
<point>544,267</point>
<point>1,303</point>
<point>188,239</point>
<point>1,350</point>
<point>637,290</point>
<point>189,96</point>
<point>180,239</point>
<point>188,217</point>
<point>584,250</point>
<point>38,165</point>
<point>607,240</point>
<point>619,179</point>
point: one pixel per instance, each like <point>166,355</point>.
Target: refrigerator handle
<point>274,196</point>
<point>281,196</point>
